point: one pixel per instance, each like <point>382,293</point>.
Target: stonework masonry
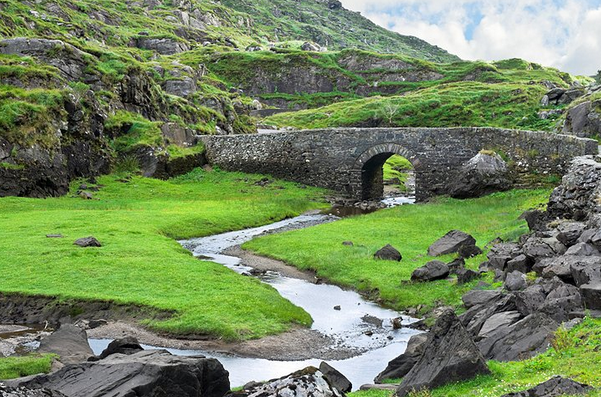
<point>349,160</point>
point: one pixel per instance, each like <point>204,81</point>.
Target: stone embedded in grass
<point>433,270</point>
<point>88,242</point>
<point>388,252</point>
<point>466,275</point>
<point>54,235</point>
<point>450,243</point>
<point>347,243</point>
<point>556,386</point>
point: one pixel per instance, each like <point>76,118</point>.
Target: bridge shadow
<point>371,163</point>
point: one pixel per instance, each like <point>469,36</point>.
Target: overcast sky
<point>565,34</point>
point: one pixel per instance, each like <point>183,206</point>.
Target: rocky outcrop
<point>449,355</point>
<point>69,342</point>
<point>144,374</point>
<point>483,174</point>
<point>401,365</point>
<point>554,387</point>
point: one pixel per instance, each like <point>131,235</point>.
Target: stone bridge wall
<point>337,158</point>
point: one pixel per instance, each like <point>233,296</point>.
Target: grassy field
<point>140,261</point>
<point>575,354</point>
<point>411,229</point>
<point>15,367</point>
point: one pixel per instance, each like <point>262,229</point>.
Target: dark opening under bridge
<point>349,160</point>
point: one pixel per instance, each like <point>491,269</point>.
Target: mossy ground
<point>140,262</point>
<point>411,229</point>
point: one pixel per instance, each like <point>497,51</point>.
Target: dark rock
<point>449,355</point>
<point>520,263</point>
<point>306,46</point>
<point>479,297</point>
<point>337,307</point>
<point>347,243</point>
<point>400,366</point>
<point>555,93</point>
<point>582,249</point>
<point>591,295</point>
<point>69,342</point>
<point>562,301</point>
<point>583,120</point>
<point>515,281</point>
<point>28,392</point>
<point>97,323</point>
<point>146,373</point>
<point>536,220</point>
<point>475,317</point>
<point>308,382</point>
<point>483,174</point>
<point>127,345</point>
<point>450,243</point>
<point>373,320</point>
<point>539,247</point>
<point>570,232</point>
<point>54,236</point>
<point>456,264</point>
<point>466,275</point>
<point>388,252</point>
<point>335,378</point>
<point>433,270</point>
<point>88,242</point>
<point>530,300</point>
<point>557,267</point>
<point>554,387</point>
<point>469,251</point>
<point>500,254</point>
<point>585,270</point>
<point>524,339</point>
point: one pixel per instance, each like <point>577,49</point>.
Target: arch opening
<point>384,165</point>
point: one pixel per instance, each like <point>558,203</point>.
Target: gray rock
<point>88,242</point>
<point>475,317</point>
<point>450,243</point>
<point>498,320</point>
<point>449,355</point>
<point>562,301</point>
<point>539,247</point>
<point>530,300</point>
<point>554,387</point>
<point>582,249</point>
<point>308,382</point>
<point>388,252</point>
<point>466,275</point>
<point>127,345</point>
<point>557,267</point>
<point>570,232</point>
<point>515,281</point>
<point>335,378</point>
<point>306,46</point>
<point>469,251</point>
<point>28,392</point>
<point>479,297</point>
<point>520,263</point>
<point>433,270</point>
<point>183,87</point>
<point>524,339</point>
<point>146,373</point>
<point>585,270</point>
<point>591,295</point>
<point>500,254</point>
<point>69,342</point>
<point>401,365</point>
<point>164,46</point>
<point>483,174</point>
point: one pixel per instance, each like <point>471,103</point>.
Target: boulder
<point>308,382</point>
<point>87,242</point>
<point>543,247</point>
<point>164,46</point>
<point>466,275</point>
<point>388,252</point>
<point>401,365</point>
<point>127,345</point>
<point>69,342</point>
<point>562,301</point>
<point>582,249</point>
<point>585,270</point>
<point>515,281</point>
<point>500,254</point>
<point>479,297</point>
<point>530,300</point>
<point>145,374</point>
<point>591,295</point>
<point>449,355</point>
<point>310,47</point>
<point>474,318</point>
<point>554,387</point>
<point>498,320</point>
<point>335,378</point>
<point>523,339</point>
<point>483,174</point>
<point>450,243</point>
<point>433,270</point>
<point>520,263</point>
<point>469,251</point>
<point>570,232</point>
<point>583,120</point>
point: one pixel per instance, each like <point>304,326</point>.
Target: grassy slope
<point>409,228</point>
<point>575,355</point>
<point>140,261</point>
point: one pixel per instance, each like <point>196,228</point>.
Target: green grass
<point>578,359</point>
<point>411,229</point>
<point>396,167</point>
<point>16,367</point>
<point>140,262</point>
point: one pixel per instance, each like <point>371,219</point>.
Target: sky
<point>565,34</point>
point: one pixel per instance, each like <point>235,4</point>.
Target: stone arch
<point>368,167</point>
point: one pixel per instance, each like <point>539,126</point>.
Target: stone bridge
<point>350,160</point>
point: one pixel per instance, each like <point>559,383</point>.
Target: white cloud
<point>561,33</point>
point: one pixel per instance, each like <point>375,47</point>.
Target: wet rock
<point>308,382</point>
<point>335,378</point>
<point>88,242</point>
<point>127,345</point>
<point>401,365</point>
<point>368,319</point>
<point>515,281</point>
<point>388,252</point>
<point>449,355</point>
<point>69,342</point>
<point>433,270</point>
<point>450,243</point>
<point>146,373</point>
<point>483,174</point>
<point>524,339</point>
<point>554,387</point>
<point>337,307</point>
